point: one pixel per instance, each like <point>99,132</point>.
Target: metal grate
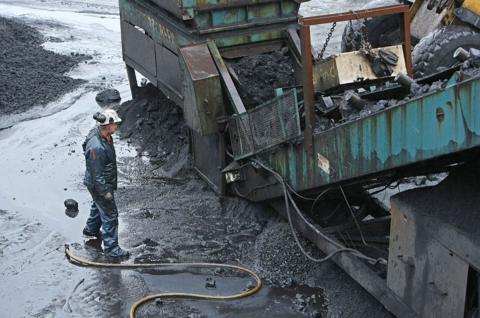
<point>265,126</point>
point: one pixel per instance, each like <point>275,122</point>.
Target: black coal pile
<point>154,124</point>
<point>31,75</point>
<point>260,75</point>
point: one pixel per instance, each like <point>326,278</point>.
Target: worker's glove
<point>108,196</point>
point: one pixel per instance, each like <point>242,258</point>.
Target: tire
<point>436,49</point>
<point>382,31</point>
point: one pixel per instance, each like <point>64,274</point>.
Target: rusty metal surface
<point>209,159</point>
<point>203,91</point>
<point>445,123</point>
<point>307,80</point>
<point>211,15</point>
<point>307,60</point>
<point>352,15</point>
<point>407,35</point>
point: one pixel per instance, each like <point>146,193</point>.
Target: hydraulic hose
<point>77,260</point>
<point>289,200</point>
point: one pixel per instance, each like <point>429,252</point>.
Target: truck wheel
<point>382,31</point>
<point>436,49</point>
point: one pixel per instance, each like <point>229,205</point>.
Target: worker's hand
<point>108,196</point>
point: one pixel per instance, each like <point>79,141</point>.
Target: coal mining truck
<point>328,141</point>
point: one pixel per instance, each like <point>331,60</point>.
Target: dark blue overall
<point>100,179</point>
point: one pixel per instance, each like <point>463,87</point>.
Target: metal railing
<point>265,126</point>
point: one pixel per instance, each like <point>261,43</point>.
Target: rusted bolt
<point>440,114</point>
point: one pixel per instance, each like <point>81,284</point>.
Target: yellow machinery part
<point>472,5</point>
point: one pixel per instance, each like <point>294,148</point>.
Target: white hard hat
<point>111,117</point>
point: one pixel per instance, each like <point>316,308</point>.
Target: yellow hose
<point>74,259</point>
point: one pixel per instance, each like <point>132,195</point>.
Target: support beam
<point>354,15</point>
<point>232,92</point>
<point>132,79</point>
<point>408,43</point>
<point>354,267</point>
<point>307,62</point>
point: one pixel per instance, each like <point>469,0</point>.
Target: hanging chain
<point>365,43</point>
<point>329,37</point>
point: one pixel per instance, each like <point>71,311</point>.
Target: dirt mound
<point>31,75</point>
<point>154,124</point>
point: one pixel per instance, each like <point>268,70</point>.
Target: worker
<point>101,181</point>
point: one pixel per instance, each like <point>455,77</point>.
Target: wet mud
<point>31,75</point>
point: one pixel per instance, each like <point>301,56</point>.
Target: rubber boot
<point>91,236</point>
<point>117,252</point>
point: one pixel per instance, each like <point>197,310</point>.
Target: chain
<point>329,37</point>
<point>365,43</point>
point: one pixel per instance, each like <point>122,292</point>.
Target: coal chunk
<point>71,207</point>
<point>210,283</point>
<point>108,96</point>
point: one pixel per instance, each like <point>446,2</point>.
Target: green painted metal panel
<point>267,11</point>
<point>211,14</point>
<point>174,34</point>
<point>228,17</point>
<point>253,37</point>
<point>439,124</point>
<point>160,28</point>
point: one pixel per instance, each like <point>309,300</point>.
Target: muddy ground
<point>167,213</point>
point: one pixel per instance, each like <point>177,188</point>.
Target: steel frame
<point>307,60</point>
